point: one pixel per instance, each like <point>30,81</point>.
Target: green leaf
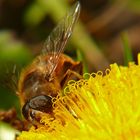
<point>134,5</point>
<point>128,56</point>
<point>12,50</point>
<point>80,57</point>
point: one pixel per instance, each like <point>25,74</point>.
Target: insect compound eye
<point>41,103</point>
<point>25,110</point>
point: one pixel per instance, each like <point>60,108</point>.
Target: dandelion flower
<point>100,107</point>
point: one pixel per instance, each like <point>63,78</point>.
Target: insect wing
<point>10,75</point>
<point>57,40</point>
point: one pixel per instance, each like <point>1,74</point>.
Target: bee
<point>49,72</point>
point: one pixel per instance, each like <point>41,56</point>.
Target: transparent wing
<point>57,40</point>
<point>9,76</point>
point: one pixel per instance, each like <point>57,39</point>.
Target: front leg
<point>74,73</point>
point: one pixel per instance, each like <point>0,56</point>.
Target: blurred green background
<point>108,31</point>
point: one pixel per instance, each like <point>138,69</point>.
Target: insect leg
<point>74,73</point>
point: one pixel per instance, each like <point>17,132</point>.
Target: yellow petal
<point>102,107</point>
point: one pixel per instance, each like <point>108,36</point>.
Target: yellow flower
<point>100,107</point>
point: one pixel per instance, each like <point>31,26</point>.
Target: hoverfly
<point>49,72</point>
